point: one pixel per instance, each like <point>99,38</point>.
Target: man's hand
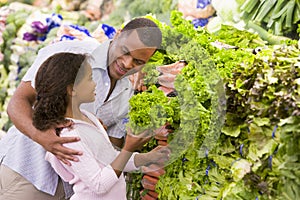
<point>54,144</point>
<point>137,80</point>
<point>162,132</point>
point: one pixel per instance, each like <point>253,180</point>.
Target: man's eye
<point>139,62</point>
<point>125,51</point>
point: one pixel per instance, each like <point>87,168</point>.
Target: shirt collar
<point>89,115</point>
<point>100,55</point>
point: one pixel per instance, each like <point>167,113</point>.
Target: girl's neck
<point>75,113</point>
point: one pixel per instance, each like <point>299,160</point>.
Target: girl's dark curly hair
<point>51,82</point>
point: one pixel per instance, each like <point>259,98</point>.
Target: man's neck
<point>112,87</point>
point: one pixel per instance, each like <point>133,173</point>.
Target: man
<point>24,174</point>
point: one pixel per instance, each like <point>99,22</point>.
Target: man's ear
<point>117,34</point>
<point>70,90</point>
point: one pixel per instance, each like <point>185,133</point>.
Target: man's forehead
<point>131,42</point>
<point>128,35</point>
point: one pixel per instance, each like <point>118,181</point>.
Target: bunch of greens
<point>279,16</point>
<point>243,39</point>
<point>200,96</point>
<point>137,8</point>
<point>262,123</point>
<point>274,21</point>
<point>14,21</point>
<point>287,160</point>
<point>152,109</point>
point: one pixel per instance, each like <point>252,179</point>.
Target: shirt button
<point>106,84</point>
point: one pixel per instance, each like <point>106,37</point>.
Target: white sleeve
<point>130,166</point>
<point>72,46</point>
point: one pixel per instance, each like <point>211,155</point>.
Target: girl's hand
<point>136,142</point>
<point>159,155</point>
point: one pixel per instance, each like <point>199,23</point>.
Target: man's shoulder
<point>125,82</point>
<point>69,45</point>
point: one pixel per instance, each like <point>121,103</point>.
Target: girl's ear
<point>70,90</point>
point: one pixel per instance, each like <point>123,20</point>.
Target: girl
<point>63,83</point>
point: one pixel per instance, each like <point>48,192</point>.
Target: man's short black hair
<point>148,32</point>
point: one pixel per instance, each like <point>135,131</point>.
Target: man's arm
<point>20,112</point>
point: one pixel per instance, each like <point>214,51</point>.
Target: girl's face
<point>84,87</point>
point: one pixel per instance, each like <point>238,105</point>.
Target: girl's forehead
<point>87,67</point>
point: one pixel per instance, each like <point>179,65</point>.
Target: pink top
<point>93,176</point>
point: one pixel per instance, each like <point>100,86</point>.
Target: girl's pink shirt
<point>93,176</point>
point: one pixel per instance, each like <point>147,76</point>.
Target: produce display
<point>279,16</point>
<point>230,90</point>
<point>250,158</point>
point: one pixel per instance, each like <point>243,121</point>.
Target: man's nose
<point>128,62</point>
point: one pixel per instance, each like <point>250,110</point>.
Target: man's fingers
<point>65,158</point>
<point>63,140</point>
<point>66,152</point>
<point>66,162</point>
<point>66,124</point>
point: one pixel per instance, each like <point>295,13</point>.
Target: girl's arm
<point>132,143</point>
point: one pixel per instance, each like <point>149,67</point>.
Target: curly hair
<point>148,32</point>
<point>51,82</point>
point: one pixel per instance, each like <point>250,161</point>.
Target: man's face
<point>127,55</point>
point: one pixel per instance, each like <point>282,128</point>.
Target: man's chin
<point>123,76</point>
<point>130,72</point>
